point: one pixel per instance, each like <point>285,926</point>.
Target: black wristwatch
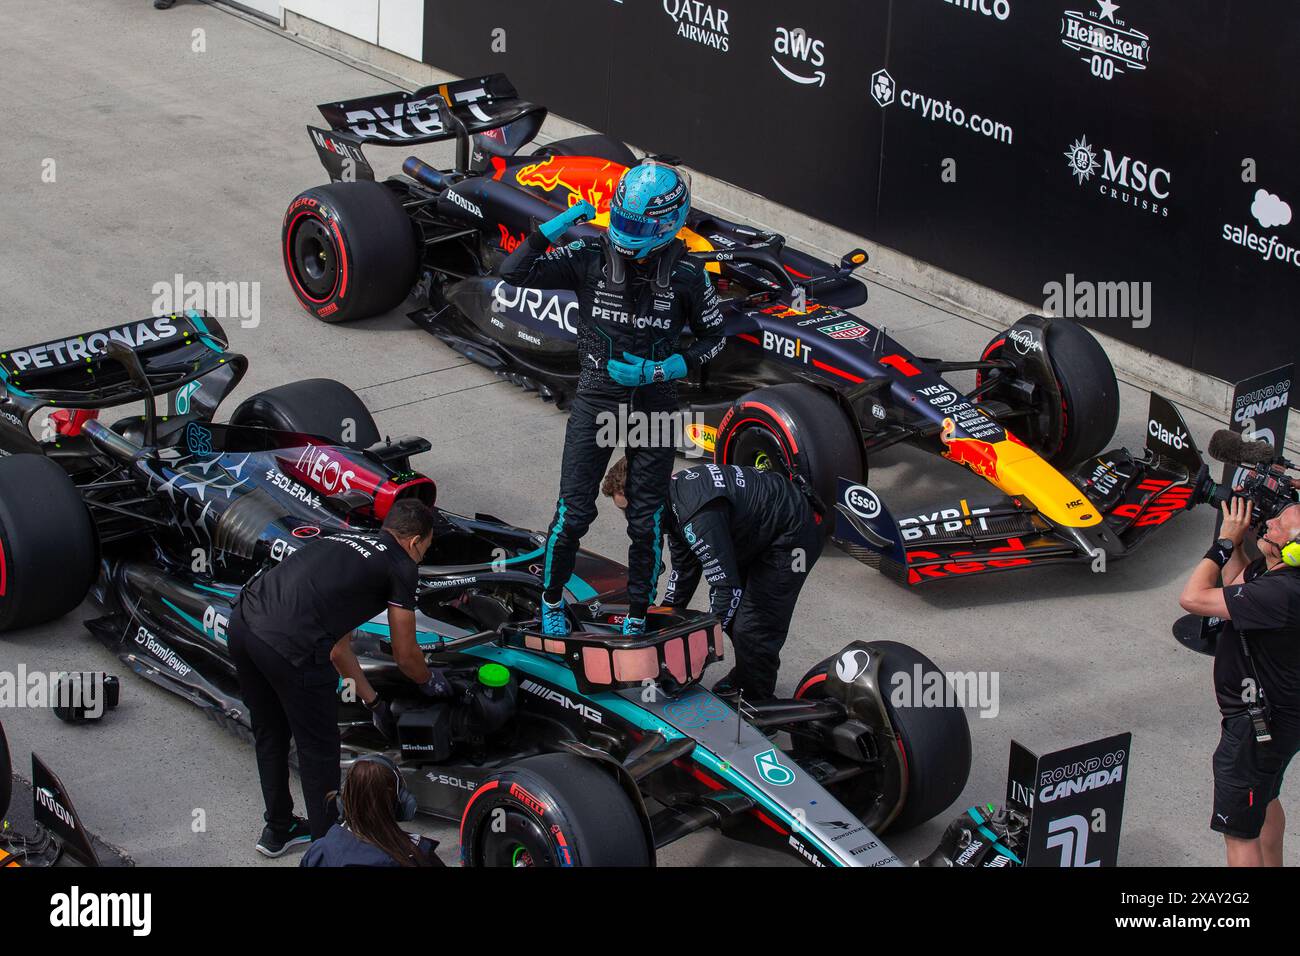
<point>374,704</point>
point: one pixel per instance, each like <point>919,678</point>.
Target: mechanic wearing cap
<point>290,638</point>
<point>1256,676</point>
<point>637,292</point>
<point>754,536</point>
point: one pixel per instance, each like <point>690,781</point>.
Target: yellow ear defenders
<point>1291,552</point>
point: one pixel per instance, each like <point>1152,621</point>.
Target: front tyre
<point>349,250</point>
<point>552,810</point>
<point>314,406</point>
<point>1083,422</point>
<point>48,547</point>
<point>934,740</point>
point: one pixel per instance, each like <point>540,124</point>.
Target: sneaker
<point>633,626</point>
<point>275,844</point>
<point>554,621</point>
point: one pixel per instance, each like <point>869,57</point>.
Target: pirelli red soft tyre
<point>935,740</point>
<point>552,810</point>
<point>1089,408</point>
<point>794,427</point>
<point>48,549</point>
<point>349,250</point>
<point>313,406</point>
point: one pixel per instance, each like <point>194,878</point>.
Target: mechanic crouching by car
<point>1256,676</point>
<point>290,638</point>
<point>637,292</point>
<point>754,536</point>
<point>374,801</point>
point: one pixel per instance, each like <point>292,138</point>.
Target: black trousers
<point>287,701</point>
<point>586,459</point>
<point>762,623</point>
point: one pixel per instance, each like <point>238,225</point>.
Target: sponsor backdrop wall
<point>1040,147</point>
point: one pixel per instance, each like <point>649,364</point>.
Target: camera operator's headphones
<point>1291,552</point>
<point>405,806</point>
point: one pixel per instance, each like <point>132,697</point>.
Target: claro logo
<point>1174,439</point>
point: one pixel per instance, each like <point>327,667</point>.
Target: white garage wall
<point>401,27</point>
<point>396,25</point>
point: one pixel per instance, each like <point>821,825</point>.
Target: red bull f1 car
<point>592,749</point>
<point>803,384</point>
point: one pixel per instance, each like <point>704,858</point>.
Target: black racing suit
<point>754,536</point>
<point>623,306</point>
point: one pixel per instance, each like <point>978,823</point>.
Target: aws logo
<point>805,55</point>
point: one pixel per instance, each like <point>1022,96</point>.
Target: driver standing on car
<point>290,639</point>
<point>637,292</point>
<point>754,536</point>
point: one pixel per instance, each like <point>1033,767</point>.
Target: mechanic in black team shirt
<point>290,638</point>
<point>1256,676</point>
<point>637,292</point>
<point>754,536</point>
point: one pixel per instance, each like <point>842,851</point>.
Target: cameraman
<point>1256,677</point>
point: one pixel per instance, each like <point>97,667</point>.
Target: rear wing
<point>487,108</point>
<point>75,372</point>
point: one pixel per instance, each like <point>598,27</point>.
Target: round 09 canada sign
<point>1104,147</point>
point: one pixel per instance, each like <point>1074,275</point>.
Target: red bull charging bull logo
<point>582,177</point>
<point>979,456</point>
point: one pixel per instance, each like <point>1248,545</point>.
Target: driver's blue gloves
<point>638,371</point>
<point>552,229</point>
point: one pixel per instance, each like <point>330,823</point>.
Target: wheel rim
<point>759,448</point>
<point>315,259</point>
<point>521,842</point>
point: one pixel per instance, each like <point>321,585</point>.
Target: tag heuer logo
<point>844,330</point>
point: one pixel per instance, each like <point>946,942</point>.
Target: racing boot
<point>633,626</point>
<point>554,622</point>
<point>275,844</point>
<point>727,689</point>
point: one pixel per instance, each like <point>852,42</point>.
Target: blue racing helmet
<point>649,207</point>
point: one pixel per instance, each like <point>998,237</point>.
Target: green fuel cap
<point>493,675</point>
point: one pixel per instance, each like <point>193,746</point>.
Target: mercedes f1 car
<point>803,384</point>
<point>592,748</point>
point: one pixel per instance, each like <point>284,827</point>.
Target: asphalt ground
<point>169,161</point>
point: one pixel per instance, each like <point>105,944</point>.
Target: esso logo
<point>862,501</point>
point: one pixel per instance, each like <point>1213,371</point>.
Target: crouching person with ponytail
<point>374,800</point>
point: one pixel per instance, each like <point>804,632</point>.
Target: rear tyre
<point>796,428</point>
<point>349,250</point>
<point>314,406</point>
<point>1089,409</point>
<point>552,810</point>
<point>935,742</point>
<point>593,144</point>
<point>48,547</point>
